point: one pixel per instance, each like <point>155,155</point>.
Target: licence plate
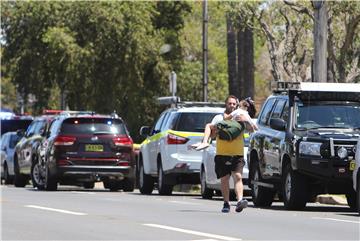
<point>352,165</point>
<point>97,148</point>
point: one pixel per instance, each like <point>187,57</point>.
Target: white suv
<point>356,175</point>
<point>166,156</point>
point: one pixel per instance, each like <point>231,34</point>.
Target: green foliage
<point>103,55</point>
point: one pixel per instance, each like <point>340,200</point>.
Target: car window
<point>157,126</point>
<point>31,129</point>
<point>194,122</point>
<point>54,127</point>
<point>40,127</point>
<point>93,126</point>
<point>265,114</point>
<point>278,108</point>
<point>171,122</point>
<point>13,140</point>
<point>285,114</point>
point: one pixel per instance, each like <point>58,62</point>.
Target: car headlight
<point>309,148</point>
<point>342,152</point>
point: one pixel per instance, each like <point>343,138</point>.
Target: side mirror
<point>145,131</point>
<point>278,124</point>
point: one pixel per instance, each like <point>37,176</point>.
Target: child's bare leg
<point>207,133</point>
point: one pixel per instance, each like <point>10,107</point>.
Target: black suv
<point>305,144</point>
<point>82,149</point>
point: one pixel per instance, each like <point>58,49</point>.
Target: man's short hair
<point>232,97</point>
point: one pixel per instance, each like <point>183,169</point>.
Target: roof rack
<point>284,86</point>
<point>74,112</point>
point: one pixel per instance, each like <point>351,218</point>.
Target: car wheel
<point>146,182</point>
<point>38,176</point>
<point>50,181</point>
<point>89,185</point>
<point>206,192</point>
<point>128,185</point>
<point>351,200</point>
<point>7,178</point>
<point>114,186</point>
<point>19,179</point>
<point>294,188</point>
<point>163,188</point>
<point>261,196</point>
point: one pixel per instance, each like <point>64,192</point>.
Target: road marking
<point>55,210</point>
<point>339,220</point>
<point>91,193</point>
<point>209,235</point>
<point>181,202</point>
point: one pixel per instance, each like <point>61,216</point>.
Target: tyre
<point>19,179</point>
<point>261,196</point>
<point>89,185</point>
<point>113,185</point>
<point>7,178</point>
<point>146,182</point>
<point>294,189</point>
<point>206,192</point>
<point>163,188</point>
<point>38,176</point>
<point>50,181</point>
<point>128,185</point>
<point>351,200</point>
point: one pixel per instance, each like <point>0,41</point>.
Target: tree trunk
<point>231,52</point>
<point>248,88</point>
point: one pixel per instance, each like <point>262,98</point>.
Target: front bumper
<point>327,169</point>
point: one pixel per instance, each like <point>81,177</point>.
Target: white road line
<point>181,202</point>
<point>55,210</point>
<point>209,235</point>
<point>91,193</point>
<point>338,220</point>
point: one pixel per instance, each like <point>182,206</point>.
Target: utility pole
<point>320,41</point>
<point>205,51</point>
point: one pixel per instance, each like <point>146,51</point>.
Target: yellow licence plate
<point>94,148</point>
<point>352,165</point>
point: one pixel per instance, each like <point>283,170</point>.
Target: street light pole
<point>205,51</point>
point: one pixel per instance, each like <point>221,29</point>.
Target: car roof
<point>201,109</point>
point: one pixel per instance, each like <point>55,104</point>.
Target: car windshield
<point>328,115</point>
<point>93,126</point>
<point>194,122</point>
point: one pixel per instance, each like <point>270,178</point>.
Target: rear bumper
<point>96,172</point>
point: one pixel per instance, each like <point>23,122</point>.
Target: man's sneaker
<point>243,203</point>
<point>202,146</point>
<point>226,207</point>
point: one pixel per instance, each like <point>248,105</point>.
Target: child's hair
<point>250,107</point>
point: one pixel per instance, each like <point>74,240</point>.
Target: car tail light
<point>123,141</point>
<point>123,164</point>
<point>63,163</point>
<point>174,139</point>
<point>64,140</point>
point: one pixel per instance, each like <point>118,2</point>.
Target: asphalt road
<point>73,213</point>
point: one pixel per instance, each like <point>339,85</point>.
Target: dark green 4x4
<point>305,144</point>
